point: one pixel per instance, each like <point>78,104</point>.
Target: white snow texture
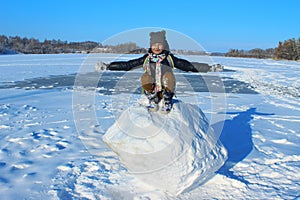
<point>169,152</point>
<point>51,143</point>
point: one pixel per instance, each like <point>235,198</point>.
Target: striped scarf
<point>157,59</point>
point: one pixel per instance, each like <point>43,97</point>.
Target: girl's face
<point>157,48</point>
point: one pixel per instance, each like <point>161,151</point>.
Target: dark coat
<point>179,63</point>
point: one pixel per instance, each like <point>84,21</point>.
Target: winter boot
<point>153,101</point>
<point>166,107</point>
<point>167,103</point>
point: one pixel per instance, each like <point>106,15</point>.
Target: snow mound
<point>172,153</point>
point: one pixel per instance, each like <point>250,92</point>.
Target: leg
<point>168,92</point>
<point>169,86</point>
<point>148,87</point>
<point>147,82</point>
<point>169,81</point>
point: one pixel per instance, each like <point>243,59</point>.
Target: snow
<point>51,132</point>
<point>179,148</point>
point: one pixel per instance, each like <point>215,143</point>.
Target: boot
<point>167,103</point>
<point>153,101</point>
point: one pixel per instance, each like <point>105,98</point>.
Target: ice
<point>43,156</point>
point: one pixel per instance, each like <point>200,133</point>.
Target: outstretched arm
<point>127,65</point>
<point>187,66</point>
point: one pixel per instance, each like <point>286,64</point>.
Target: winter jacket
<point>179,63</point>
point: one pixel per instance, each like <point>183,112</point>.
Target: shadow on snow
<point>236,136</point>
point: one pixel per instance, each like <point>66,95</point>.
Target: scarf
<point>157,60</point>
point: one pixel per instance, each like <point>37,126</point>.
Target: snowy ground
<point>46,152</point>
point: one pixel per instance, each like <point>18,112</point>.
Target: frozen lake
<point>44,154</point>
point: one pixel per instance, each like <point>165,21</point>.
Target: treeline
<point>24,45</point>
<point>128,47</point>
<point>287,50</point>
<point>17,44</point>
<point>254,53</point>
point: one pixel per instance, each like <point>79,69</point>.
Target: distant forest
<point>16,44</point>
<point>287,50</point>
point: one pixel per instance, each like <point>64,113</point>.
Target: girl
<point>158,81</point>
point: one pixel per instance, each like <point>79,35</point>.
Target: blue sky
<point>217,25</point>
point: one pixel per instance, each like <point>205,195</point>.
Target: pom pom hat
<point>159,37</point>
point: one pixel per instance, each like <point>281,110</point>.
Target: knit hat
<point>159,37</point>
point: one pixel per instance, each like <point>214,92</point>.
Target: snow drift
<point>172,153</point>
